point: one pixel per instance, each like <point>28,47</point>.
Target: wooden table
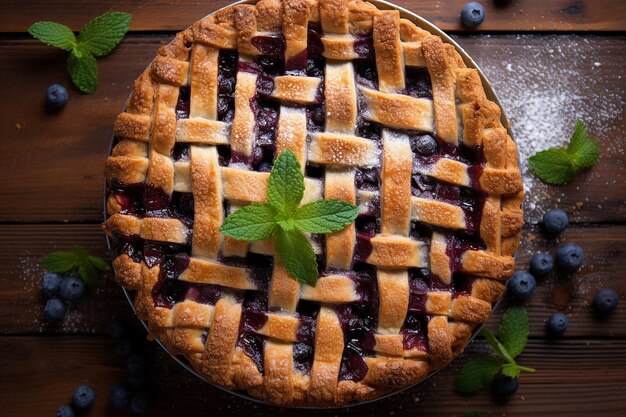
<point>551,62</point>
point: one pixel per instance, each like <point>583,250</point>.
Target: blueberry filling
<point>183,103</point>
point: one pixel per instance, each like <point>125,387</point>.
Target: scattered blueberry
<point>65,411</point>
<point>504,386</point>
<point>605,301</point>
<point>570,257</point>
<point>473,14</point>
<point>137,381</point>
<point>555,221</point>
<point>72,288</point>
<point>139,402</point>
<point>425,145</point>
<point>119,396</point>
<point>116,328</point>
<point>50,283</point>
<point>54,309</point>
<point>136,364</point>
<point>557,324</point>
<point>541,264</point>
<point>521,285</point>
<point>124,347</point>
<point>56,96</point>
<point>83,397</point>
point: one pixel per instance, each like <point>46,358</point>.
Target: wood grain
<point>51,165</point>
<point>501,15</point>
<point>66,362</point>
<point>21,247</point>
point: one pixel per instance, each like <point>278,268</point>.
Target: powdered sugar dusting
<point>544,91</point>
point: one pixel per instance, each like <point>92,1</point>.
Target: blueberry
<point>425,145</point>
<point>72,288</point>
<point>570,257</point>
<point>473,14</point>
<point>50,283</point>
<point>124,347</point>
<point>541,264</point>
<point>557,324</point>
<point>119,396</point>
<point>555,221</point>
<point>54,309</point>
<point>505,386</point>
<point>136,365</point>
<point>139,402</point>
<point>83,397</point>
<point>605,301</point>
<point>65,411</point>
<point>56,96</point>
<point>521,285</point>
<point>116,328</point>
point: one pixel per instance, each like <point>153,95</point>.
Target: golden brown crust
<point>206,334</point>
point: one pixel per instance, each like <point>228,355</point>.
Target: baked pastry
<point>379,113</point>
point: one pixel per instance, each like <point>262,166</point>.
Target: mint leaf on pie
<point>296,254</point>
<point>281,217</point>
<point>513,330</point>
<point>285,187</point>
<point>88,266</point>
<point>325,216</point>
<point>83,70</point>
<point>54,34</point>
<point>582,149</point>
<point>253,222</point>
<point>558,166</point>
<point>477,373</point>
<point>100,36</point>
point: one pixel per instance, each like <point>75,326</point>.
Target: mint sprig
<point>281,217</point>
<point>87,266</point>
<point>559,166</point>
<point>510,342</point>
<point>97,38</point>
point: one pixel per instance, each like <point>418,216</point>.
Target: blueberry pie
<point>379,113</point>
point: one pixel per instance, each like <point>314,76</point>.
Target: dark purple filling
<point>183,103</point>
<point>418,84</point>
<point>414,331</point>
<point>458,244</point>
<point>272,46</point>
<point>303,350</point>
<point>358,321</point>
<point>363,247</point>
<point>204,294</point>
<point>364,47</point>
<point>226,76</point>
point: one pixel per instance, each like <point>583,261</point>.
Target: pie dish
<point>379,113</point>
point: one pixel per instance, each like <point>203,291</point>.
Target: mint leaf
<point>253,222</point>
<point>553,166</point>
<point>582,149</point>
<point>297,255</point>
<point>88,272</point>
<point>83,70</point>
<point>53,34</point>
<point>100,36</point>
<point>476,374</point>
<point>496,345</point>
<point>59,262</point>
<point>286,184</point>
<point>325,216</point>
<point>511,369</point>
<point>513,330</point>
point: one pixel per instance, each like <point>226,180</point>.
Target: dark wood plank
<point>51,165</point>
<point>66,362</point>
<point>508,15</point>
<point>21,247</point>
